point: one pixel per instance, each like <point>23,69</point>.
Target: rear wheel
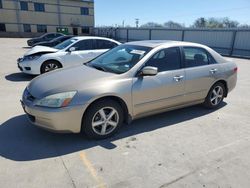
<point>102,119</point>
<point>50,66</point>
<point>215,96</point>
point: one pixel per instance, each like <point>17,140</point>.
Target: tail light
<point>235,69</point>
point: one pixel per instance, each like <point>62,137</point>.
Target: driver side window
<point>84,45</point>
<point>49,36</point>
<point>165,60</point>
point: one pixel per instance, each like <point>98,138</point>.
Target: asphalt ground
<point>191,147</point>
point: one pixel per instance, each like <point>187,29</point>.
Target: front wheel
<point>102,119</point>
<point>215,96</point>
<point>50,66</point>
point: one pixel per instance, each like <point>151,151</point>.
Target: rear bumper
<point>231,82</point>
<point>60,120</point>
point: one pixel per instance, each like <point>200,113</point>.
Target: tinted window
<point>211,59</point>
<point>84,45</point>
<point>65,44</point>
<point>165,60</point>
<point>1,5</point>
<point>84,11</point>
<point>194,57</point>
<point>2,27</point>
<point>41,28</point>
<point>26,28</point>
<point>23,5</point>
<point>58,35</point>
<point>50,36</point>
<point>39,7</point>
<point>104,44</point>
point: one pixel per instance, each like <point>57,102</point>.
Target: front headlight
<point>57,100</point>
<point>31,57</point>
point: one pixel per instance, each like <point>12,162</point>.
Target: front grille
<point>27,68</point>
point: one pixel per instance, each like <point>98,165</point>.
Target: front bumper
<point>28,67</point>
<point>62,120</point>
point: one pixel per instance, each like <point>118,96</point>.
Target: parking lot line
<point>100,182</point>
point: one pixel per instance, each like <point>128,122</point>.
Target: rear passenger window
<point>211,59</point>
<point>165,60</point>
<point>104,44</point>
<point>195,57</point>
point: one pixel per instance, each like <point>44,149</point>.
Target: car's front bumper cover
<point>28,67</point>
<point>68,119</point>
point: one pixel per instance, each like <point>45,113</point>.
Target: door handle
<point>213,71</point>
<point>178,78</point>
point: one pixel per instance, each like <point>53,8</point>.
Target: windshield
<point>120,59</point>
<point>65,44</point>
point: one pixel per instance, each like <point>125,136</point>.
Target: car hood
<point>40,49</point>
<point>69,79</point>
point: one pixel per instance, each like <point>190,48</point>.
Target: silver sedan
<point>131,81</point>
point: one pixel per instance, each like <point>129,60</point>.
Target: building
<point>33,17</point>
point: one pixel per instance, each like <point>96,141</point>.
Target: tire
<point>50,66</point>
<point>96,123</point>
<point>215,96</point>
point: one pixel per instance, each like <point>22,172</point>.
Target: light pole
<point>137,20</point>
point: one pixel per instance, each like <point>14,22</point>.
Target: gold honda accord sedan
<point>130,81</point>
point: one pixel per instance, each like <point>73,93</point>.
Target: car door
<point>201,71</point>
<point>166,89</point>
<point>81,54</point>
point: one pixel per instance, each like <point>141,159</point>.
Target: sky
<point>114,12</point>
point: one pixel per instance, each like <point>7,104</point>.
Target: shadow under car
<point>21,141</point>
<point>19,77</point>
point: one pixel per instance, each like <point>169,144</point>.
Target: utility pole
<point>137,20</point>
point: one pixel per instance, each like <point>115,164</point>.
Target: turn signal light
<point>235,69</point>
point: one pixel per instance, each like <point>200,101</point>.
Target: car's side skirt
<point>167,109</point>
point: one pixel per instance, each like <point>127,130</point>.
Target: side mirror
<point>72,49</point>
<point>149,71</point>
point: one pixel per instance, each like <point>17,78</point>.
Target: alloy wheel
<point>216,96</point>
<point>50,67</point>
<point>105,121</point>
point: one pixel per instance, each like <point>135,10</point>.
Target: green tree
<point>200,23</point>
<point>172,24</point>
<point>151,25</point>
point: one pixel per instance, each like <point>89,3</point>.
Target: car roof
<point>165,43</point>
<point>91,37</point>
<point>53,33</point>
